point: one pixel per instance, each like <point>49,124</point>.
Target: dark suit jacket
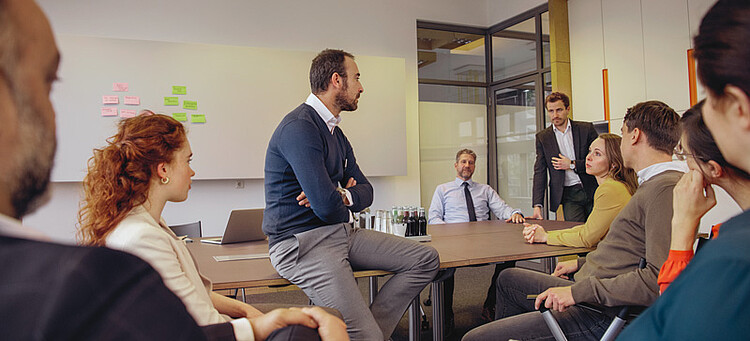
<point>546,148</point>
<point>58,292</point>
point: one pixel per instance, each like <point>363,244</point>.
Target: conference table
<point>459,245</point>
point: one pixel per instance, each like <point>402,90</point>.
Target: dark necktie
<point>469,202</point>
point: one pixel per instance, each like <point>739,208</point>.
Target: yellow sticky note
<point>171,101</point>
<point>190,105</point>
<point>180,116</point>
<point>179,90</point>
<point>198,118</point>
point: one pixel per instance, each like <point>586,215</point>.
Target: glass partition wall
<point>469,76</point>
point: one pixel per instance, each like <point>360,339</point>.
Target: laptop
<point>244,225</point>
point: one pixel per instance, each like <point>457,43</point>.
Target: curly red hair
<point>119,175</point>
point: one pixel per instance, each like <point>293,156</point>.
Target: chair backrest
<point>192,230</point>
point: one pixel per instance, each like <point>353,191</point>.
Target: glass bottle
<point>422,222</point>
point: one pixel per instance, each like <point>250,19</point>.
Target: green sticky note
<point>171,101</point>
<point>198,118</point>
<point>180,116</point>
<point>190,105</point>
<point>179,90</point>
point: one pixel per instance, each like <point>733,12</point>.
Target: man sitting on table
<point>463,200</point>
<point>308,216</point>
<point>609,275</point>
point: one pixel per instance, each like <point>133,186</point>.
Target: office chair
<point>612,331</point>
<point>192,230</point>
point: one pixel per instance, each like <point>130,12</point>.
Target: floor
<point>470,292</point>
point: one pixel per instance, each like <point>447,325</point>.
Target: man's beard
<point>32,164</point>
<point>343,103</point>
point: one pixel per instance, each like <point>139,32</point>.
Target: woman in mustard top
<point>616,185</point>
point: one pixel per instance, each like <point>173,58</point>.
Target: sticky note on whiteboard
<point>109,111</point>
<point>179,90</point>
<point>121,87</point>
<point>132,100</point>
<point>193,105</point>
<point>110,99</point>
<point>180,116</point>
<point>171,101</point>
<point>198,118</point>
<point>127,113</point>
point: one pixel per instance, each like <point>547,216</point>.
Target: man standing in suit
<point>560,151</point>
<point>463,200</point>
<point>51,291</point>
<point>313,184</point>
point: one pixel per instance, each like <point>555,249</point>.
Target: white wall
<point>499,11</point>
<point>644,45</point>
<point>378,28</point>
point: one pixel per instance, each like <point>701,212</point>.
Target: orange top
<point>676,262</point>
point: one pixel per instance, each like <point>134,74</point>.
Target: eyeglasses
<point>680,153</point>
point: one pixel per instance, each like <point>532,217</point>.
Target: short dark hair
<point>658,121</point>
<point>721,46</point>
<point>324,65</point>
<point>701,142</point>
<point>557,96</point>
<point>466,151</point>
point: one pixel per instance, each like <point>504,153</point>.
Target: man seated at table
<point>52,291</point>
<point>609,275</point>
<point>463,200</point>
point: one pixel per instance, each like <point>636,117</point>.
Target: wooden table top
<point>459,244</point>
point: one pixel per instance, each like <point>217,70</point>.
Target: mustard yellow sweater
<point>610,197</point>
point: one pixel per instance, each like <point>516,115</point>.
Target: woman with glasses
<point>698,148</point>
<point>616,185</point>
<point>710,298</point>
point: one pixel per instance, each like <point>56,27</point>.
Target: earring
<point>165,180</point>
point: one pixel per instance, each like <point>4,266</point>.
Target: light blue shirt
<point>449,203</point>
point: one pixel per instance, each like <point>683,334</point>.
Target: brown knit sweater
<point>609,275</point>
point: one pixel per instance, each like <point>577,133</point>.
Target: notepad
<point>241,257</point>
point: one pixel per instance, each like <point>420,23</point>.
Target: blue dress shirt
<point>449,203</point>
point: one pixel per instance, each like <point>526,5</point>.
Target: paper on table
<point>132,100</point>
<point>241,257</point>
<point>171,101</point>
<point>190,105</point>
<point>110,99</point>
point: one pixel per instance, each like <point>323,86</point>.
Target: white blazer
<point>155,243</point>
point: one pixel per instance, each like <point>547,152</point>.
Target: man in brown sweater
<point>609,275</point>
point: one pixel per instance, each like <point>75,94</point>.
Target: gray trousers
<point>321,263</point>
<point>517,319</point>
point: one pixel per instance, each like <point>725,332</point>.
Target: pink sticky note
<point>127,113</point>
<point>132,100</point>
<point>123,87</point>
<point>109,111</point>
<point>110,99</point>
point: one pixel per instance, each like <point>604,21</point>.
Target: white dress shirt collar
<point>567,128</point>
<point>325,114</point>
<point>661,167</point>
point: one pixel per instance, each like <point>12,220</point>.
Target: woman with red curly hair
<point>145,165</point>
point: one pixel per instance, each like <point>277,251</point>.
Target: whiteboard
<point>244,92</point>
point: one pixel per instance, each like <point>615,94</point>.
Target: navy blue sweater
<point>303,155</point>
